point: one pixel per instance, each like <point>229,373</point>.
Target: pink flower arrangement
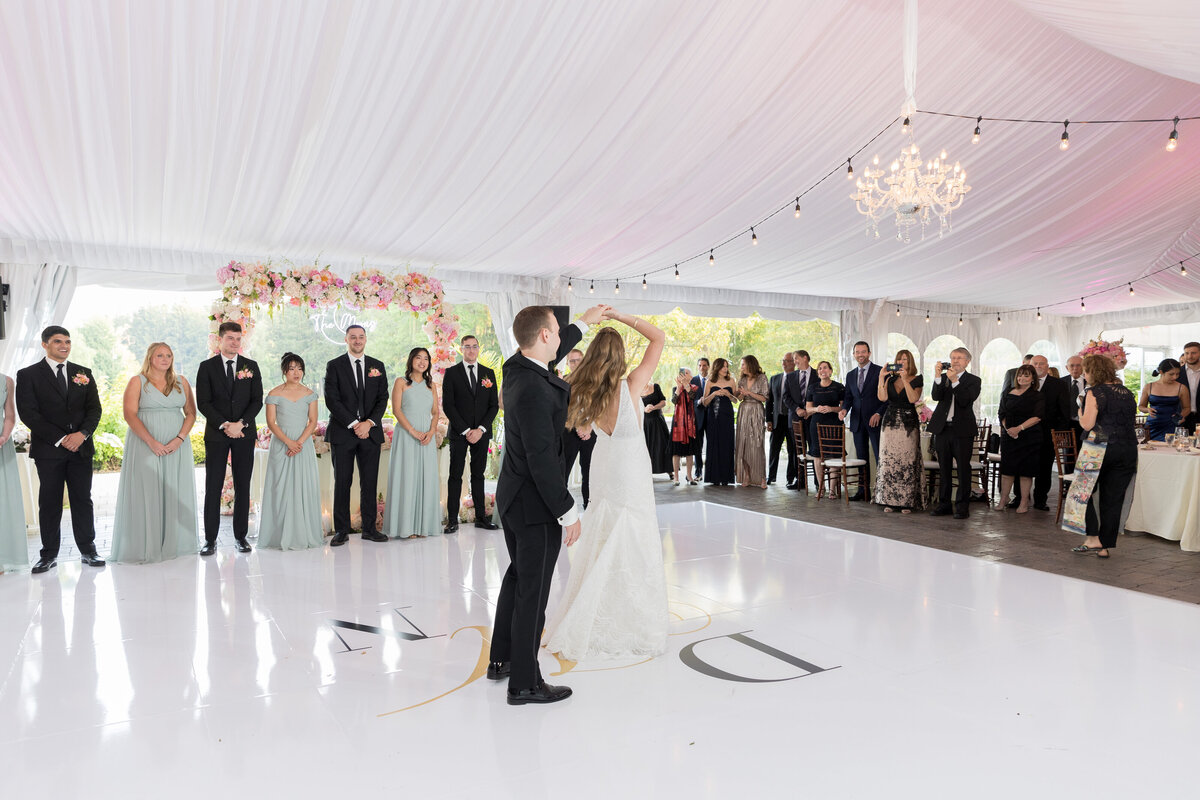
<point>924,412</point>
<point>466,512</point>
<point>80,379</point>
<point>1100,347</point>
<point>263,439</point>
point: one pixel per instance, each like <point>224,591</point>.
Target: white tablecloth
<point>1166,496</point>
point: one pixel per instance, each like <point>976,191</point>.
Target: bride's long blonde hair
<point>594,383</point>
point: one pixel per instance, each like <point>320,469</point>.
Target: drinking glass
<point>1170,439</point>
<point>1140,432</point>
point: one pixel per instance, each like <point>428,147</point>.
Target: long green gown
<point>14,544</point>
<point>291,504</point>
<point>413,506</point>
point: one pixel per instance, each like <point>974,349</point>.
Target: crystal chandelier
<point>913,191</point>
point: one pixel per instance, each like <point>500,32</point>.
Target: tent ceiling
<point>601,139</point>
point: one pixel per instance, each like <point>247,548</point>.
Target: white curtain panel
<point>39,295</point>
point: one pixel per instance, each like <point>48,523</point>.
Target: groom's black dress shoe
<point>208,549</point>
<point>486,524</point>
<point>92,560</point>
<point>856,497</point>
<point>543,693</point>
<point>498,670</point>
<point>373,536</point>
<point>451,527</point>
<point>43,564</point>
<point>242,545</point>
<point>339,539</point>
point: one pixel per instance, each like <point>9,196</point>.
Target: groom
<point>535,507</point>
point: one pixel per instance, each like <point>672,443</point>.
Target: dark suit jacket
<point>533,486</point>
<point>863,406</point>
<point>775,406</point>
<point>1069,382</point>
<point>793,398</point>
<point>50,415</point>
<point>341,398</point>
<point>466,410</point>
<point>219,405</point>
<point>1007,384</point>
<point>1057,395</point>
<point>963,399</point>
<point>701,409</point>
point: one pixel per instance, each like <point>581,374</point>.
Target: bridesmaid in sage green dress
<point>413,506</point>
<point>291,505</point>
<point>14,546</point>
<point>156,496</point>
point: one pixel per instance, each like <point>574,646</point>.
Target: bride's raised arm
<point>640,375</point>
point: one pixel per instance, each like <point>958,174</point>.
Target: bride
<point>615,603</point>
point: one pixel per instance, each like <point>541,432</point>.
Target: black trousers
<point>574,447</point>
<point>459,446</point>
<point>861,439</point>
<point>954,452</point>
<point>521,607</point>
<point>781,433</point>
<point>1117,470</point>
<point>1189,422</point>
<point>75,473</point>
<point>1069,464</point>
<point>1045,463</point>
<point>240,455</point>
<point>364,452</point>
<point>700,452</point>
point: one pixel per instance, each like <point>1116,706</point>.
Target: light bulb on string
<point>906,127</point>
<point>1082,305</point>
<point>897,311</point>
<point>1039,317</point>
<point>617,288</point>
<point>592,288</point>
<point>1182,270</point>
<point>1173,141</point>
<point>998,319</point>
<point>676,272</point>
<point>570,286</point>
<point>926,317</point>
<point>797,208</point>
<point>753,236</point>
<point>960,322</point>
<point>645,286</point>
<point>1131,290</point>
<point>711,259</point>
<point>849,170</point>
<point>1065,141</point>
<point>975,138</point>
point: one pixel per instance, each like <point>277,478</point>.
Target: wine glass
<point>1170,439</point>
<point>1140,432</point>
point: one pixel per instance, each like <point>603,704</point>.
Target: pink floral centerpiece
<point>924,412</point>
<point>1100,347</point>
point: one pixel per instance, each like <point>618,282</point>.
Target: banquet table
<point>1166,496</point>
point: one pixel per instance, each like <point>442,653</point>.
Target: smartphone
<point>682,370</point>
<point>893,368</point>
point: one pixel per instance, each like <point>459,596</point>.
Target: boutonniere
<point>374,372</point>
<point>79,379</point>
<point>486,383</point>
<point>243,374</point>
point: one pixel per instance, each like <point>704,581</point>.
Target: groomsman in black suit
<point>700,381</point>
<point>536,509</point>
<point>777,423</point>
<point>795,394</point>
<point>59,403</point>
<point>229,393</point>
<point>1058,418</point>
<point>574,446</point>
<point>471,400</point>
<point>356,394</point>
<point>953,425</point>
<point>865,408</point>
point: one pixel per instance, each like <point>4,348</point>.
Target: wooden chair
<point>804,462</point>
<point>831,444</point>
<point>981,465</point>
<point>1065,452</point>
<point>933,474</point>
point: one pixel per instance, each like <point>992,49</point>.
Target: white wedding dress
<point>615,603</point>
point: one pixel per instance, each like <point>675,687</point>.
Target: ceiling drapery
<point>547,138</point>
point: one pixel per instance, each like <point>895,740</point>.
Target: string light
<point>1131,290</point>
<point>998,323</point>
<point>645,286</point>
<point>1082,305</point>
<point>753,236</point>
<point>617,288</point>
<point>1065,141</point>
<point>975,138</point>
<point>1173,141</point>
<point>905,128</point>
<point>1182,270</point>
<point>711,259</point>
<point>797,208</point>
<point>676,272</point>
<point>897,311</point>
<point>592,288</point>
<point>1039,315</point>
<point>926,317</point>
<point>570,286</point>
<point>960,318</point>
<point>849,170</point>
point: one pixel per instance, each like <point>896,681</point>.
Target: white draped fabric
<point>39,295</point>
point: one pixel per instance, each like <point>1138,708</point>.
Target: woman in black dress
<point>719,397</point>
<point>1021,412</point>
<point>901,471</point>
<point>685,444</point>
<point>1108,412</point>
<point>824,401</point>
<point>658,439</point>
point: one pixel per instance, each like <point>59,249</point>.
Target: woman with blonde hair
<point>156,496</point>
<point>615,603</point>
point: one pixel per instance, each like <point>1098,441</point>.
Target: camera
<point>945,366</point>
<point>893,368</point>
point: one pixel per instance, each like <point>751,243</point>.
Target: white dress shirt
<point>1193,382</point>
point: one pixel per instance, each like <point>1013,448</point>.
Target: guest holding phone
<point>901,467</point>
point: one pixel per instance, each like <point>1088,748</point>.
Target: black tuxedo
<point>954,439</point>
<point>794,397</point>
<point>220,401</point>
<point>1057,396</point>
<point>347,403</point>
<point>51,412</point>
<point>468,408</point>
<point>781,430</point>
<point>701,417</point>
<point>860,407</point>
<point>531,497</point>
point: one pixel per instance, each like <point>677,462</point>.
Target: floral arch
<point>244,286</point>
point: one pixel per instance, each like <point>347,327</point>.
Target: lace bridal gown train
<point>615,603</point>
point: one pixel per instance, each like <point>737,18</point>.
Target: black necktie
<point>229,373</point>
<point>62,378</point>
<point>362,409</point>
<point>803,384</point>
<point>471,377</point>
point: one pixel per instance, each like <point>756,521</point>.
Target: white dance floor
<point>804,662</point>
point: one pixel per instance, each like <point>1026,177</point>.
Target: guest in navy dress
<point>719,397</point>
<point>1164,401</point>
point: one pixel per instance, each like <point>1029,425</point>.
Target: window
<point>997,358</point>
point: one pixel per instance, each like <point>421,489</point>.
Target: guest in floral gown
<point>898,486</point>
